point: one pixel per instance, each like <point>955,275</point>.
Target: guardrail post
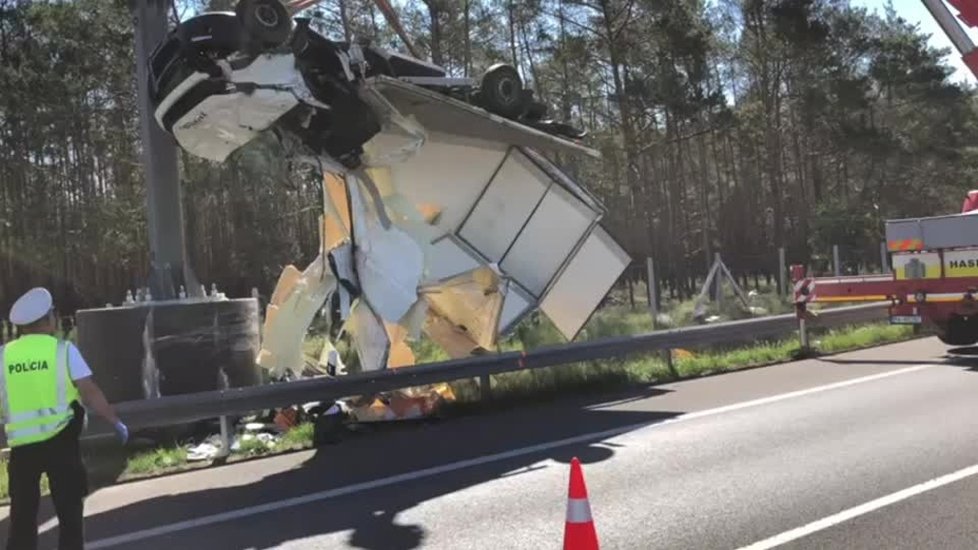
<point>835,260</point>
<point>225,421</point>
<point>485,388</point>
<point>225,450</point>
<point>803,335</point>
<point>670,364</point>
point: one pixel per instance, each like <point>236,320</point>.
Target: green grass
<point>299,437</point>
<point>837,340</point>
<point>155,460</point>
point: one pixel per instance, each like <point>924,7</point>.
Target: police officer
<point>41,383</point>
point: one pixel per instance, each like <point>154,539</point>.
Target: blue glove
<point>122,431</point>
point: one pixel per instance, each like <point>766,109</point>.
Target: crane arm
<point>968,12</point>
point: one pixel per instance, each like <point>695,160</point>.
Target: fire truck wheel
<point>959,331</point>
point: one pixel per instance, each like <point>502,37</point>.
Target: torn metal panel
<point>369,336</point>
<point>341,262</point>
<point>454,341</point>
<point>405,213</point>
<point>336,215</point>
<point>472,302</point>
<point>585,281</point>
<point>413,321</point>
<point>401,354</point>
<point>517,304</point>
<point>450,256</point>
<point>286,323</point>
<point>389,262</point>
<point>450,173</point>
<point>286,282</point>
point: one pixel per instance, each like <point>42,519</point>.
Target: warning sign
<point>917,266</point>
<point>961,263</point>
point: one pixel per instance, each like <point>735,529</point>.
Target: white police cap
<point>31,307</point>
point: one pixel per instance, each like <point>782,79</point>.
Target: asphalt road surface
<point>871,449</point>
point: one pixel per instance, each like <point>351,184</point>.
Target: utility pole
<point>169,268</point>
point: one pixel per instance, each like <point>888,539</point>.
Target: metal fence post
<point>719,281</point>
<point>835,260</point>
<point>782,275</point>
<point>652,289</point>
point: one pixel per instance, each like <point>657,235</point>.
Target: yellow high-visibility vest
<point>35,388</point>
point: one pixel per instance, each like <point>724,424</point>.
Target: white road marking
<point>129,538</point>
<point>862,509</point>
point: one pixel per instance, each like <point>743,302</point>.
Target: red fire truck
<point>933,279</point>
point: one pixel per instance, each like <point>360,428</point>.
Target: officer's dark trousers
<point>60,458</point>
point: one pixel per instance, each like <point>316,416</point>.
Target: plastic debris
<point>265,439</point>
<point>409,404</point>
<point>204,451</point>
<point>287,418</point>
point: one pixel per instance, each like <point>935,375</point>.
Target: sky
<point>914,11</point>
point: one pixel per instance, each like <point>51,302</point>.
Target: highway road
<point>870,449</point>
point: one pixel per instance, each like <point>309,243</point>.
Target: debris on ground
<point>249,441</point>
<point>408,404</point>
<point>330,420</point>
<point>208,450</point>
<point>287,418</point>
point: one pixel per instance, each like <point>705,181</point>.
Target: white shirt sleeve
<point>77,366</point>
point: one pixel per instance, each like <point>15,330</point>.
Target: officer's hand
<point>122,431</point>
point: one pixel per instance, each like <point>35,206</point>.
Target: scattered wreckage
<point>442,216</point>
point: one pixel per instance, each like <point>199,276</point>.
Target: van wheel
<point>266,23</point>
<point>501,91</point>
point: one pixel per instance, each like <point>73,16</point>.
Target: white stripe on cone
<point>578,510</point>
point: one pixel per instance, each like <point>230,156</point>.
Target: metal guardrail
<point>180,409</point>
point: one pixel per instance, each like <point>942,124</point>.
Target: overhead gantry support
<point>169,265</point>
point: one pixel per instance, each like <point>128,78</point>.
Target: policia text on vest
<point>43,381</point>
<point>23,367</point>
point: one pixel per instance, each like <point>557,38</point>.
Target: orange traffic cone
<point>579,533</point>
